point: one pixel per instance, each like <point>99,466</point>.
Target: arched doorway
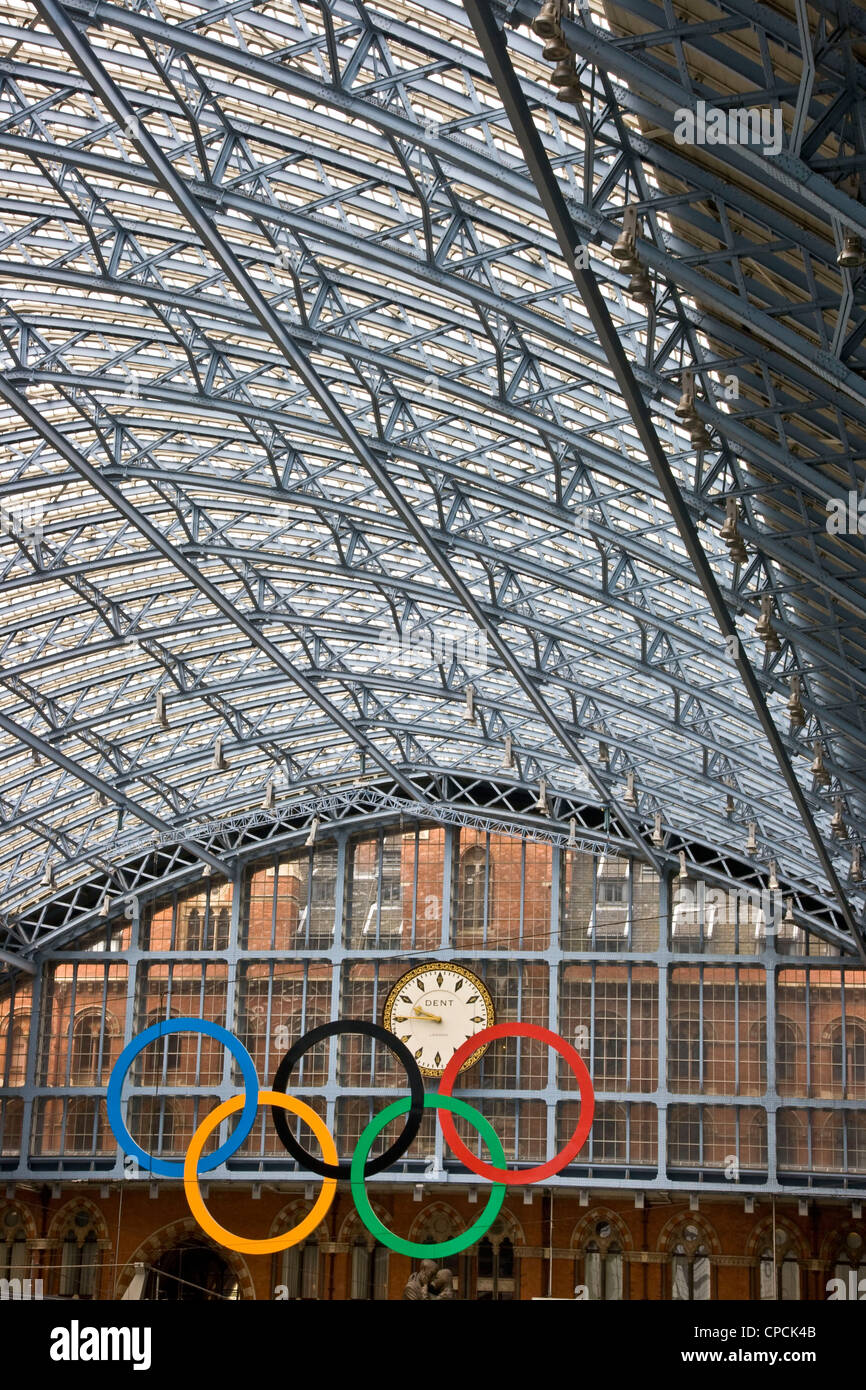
<point>190,1273</point>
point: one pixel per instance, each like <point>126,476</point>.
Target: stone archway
<point>168,1238</point>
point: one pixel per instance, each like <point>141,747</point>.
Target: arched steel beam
<point>113,495</point>
<point>451,151</point>
<point>45,750</point>
<point>82,54</point>
<point>492,43</point>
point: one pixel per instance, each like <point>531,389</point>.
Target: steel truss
<point>354,265</point>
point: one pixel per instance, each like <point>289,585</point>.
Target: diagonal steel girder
<point>19,963</point>
<point>493,45</point>
<point>79,49</point>
<point>126,803</point>
<point>112,494</point>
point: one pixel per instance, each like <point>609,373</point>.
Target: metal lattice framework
<point>319,471</point>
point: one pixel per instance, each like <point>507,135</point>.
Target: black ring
<point>413,1118</point>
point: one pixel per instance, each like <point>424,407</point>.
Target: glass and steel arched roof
<point>319,476</point>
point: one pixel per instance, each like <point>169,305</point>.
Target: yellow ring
<point>190,1176</point>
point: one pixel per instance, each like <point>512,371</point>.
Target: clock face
<point>435,1008</point>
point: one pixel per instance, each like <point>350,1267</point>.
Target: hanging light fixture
<point>852,255</point>
<point>571,842</point>
<point>856,870</point>
<point>630,796</point>
<point>104,907</point>
<point>729,805</point>
<point>658,838</point>
<point>837,823</point>
<point>508,753</point>
<point>470,704</point>
<point>565,80</point>
<point>161,716</point>
<point>698,436</point>
<point>730,533</point>
<point>764,626</point>
<point>640,288</point>
<point>624,248</point>
<point>773,882</point>
<point>218,762</point>
<point>314,830</point>
<point>685,408</point>
<point>269,800</point>
<point>541,804</point>
<point>547,21</point>
<point>730,530</point>
<point>48,879</point>
<point>752,841</point>
<point>817,769</point>
<point>796,712</point>
<point>556,48</point>
<point>788,919</point>
<point>683,874</point>
<point>603,754</point>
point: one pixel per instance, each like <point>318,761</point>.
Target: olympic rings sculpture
<point>360,1166</point>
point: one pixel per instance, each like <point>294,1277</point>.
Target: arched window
<point>369,1270</point>
<point>608,1134</point>
<point>792,1150</point>
<point>85,1126</point>
<point>153,1123</point>
<point>79,1259</point>
<point>753,1062</point>
<point>609,1049</point>
<point>779,1277</point>
<point>192,930</point>
<point>690,1267</point>
<point>299,1272</point>
<point>684,1054</point>
<point>496,1277</point>
<point>14,1256</point>
<point>169,1048</point>
<point>849,1263</point>
<point>856,1126</point>
<point>86,1033</point>
<point>15,1054</point>
<point>786,1055</point>
<point>828,1141</point>
<point>611,897</point>
<point>847,1040</point>
<point>600,1267</point>
<point>500,1066</point>
<point>11,1124</point>
<point>476,883</point>
<point>222,929</point>
<point>684,1135</point>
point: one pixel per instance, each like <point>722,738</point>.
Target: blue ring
<point>173,1168</point>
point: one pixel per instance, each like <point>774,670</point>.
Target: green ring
<point>432,1101</point>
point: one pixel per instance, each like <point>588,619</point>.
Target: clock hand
<point>422,1013</point>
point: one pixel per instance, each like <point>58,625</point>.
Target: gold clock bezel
<point>459,969</point>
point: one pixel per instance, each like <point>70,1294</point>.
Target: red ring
<point>587,1104</point>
